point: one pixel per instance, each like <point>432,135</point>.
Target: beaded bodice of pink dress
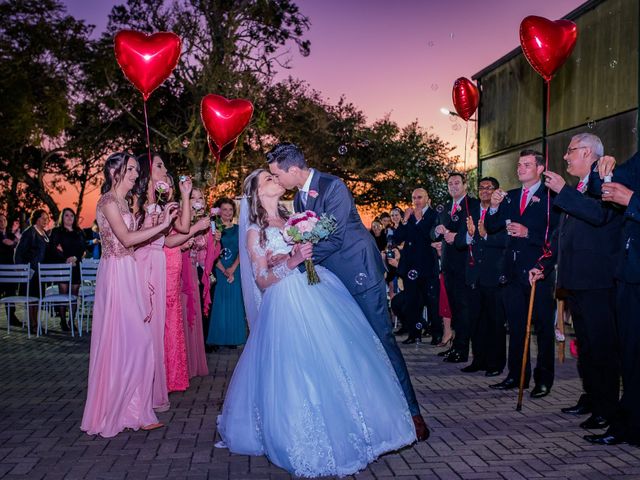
<point>121,368</point>
<point>192,307</point>
<point>151,265</point>
<point>175,353</point>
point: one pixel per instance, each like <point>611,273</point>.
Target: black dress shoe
<point>506,384</point>
<point>63,326</point>
<point>605,439</point>
<point>492,373</point>
<point>456,357</point>
<point>410,341</point>
<point>471,368</point>
<point>595,422</point>
<point>445,353</point>
<point>540,391</point>
<point>581,408</point>
<point>435,340</point>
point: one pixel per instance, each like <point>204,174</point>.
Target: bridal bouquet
<point>309,227</point>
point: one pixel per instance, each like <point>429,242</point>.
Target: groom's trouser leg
<point>373,303</point>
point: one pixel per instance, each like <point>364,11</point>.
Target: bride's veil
<point>250,291</point>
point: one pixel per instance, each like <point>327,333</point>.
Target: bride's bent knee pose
<point>314,390</point>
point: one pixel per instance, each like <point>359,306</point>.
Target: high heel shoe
<point>446,343</point>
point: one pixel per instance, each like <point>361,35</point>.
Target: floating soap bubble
<point>418,326</point>
<point>453,118</point>
<point>361,278</point>
<point>452,35</point>
<point>456,126</point>
<point>613,63</point>
<point>430,43</point>
<point>412,275</point>
<point>440,208</point>
<point>226,254</point>
<point>591,124</point>
<point>208,175</point>
<point>502,280</point>
<point>455,218</point>
<point>185,143</point>
<point>434,86</point>
<point>342,150</point>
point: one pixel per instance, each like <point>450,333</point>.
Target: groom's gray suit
<point>351,254</point>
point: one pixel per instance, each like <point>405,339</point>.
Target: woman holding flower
<point>227,324</point>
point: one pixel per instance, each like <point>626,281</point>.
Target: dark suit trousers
<point>458,294</point>
<point>627,418</point>
<point>486,320</point>
<point>373,303</point>
<point>516,306</point>
<point>419,293</point>
<point>593,314</point>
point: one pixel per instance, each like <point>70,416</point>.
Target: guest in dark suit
<point>350,252</point>
<point>418,267</point>
<point>625,191</point>
<point>589,246</point>
<point>523,213</point>
<point>483,272</point>
<point>454,261</point>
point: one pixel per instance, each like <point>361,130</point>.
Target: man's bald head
<point>420,198</point>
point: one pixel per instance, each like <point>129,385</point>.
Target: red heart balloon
<point>147,60</point>
<point>224,119</point>
<point>547,44</point>
<point>466,97</point>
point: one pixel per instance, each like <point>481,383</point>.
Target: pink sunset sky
<point>397,57</point>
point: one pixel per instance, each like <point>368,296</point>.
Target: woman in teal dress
<point>227,324</point>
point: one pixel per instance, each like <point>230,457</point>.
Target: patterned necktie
<point>580,187</point>
<point>523,200</point>
<point>303,197</point>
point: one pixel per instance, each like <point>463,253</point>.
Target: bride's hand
<point>302,252</point>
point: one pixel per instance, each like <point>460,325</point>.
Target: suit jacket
<point>417,253</point>
<point>488,254</point>
<point>588,239</point>
<point>629,175</point>
<point>350,252</point>
<point>454,257</point>
<point>523,254</point>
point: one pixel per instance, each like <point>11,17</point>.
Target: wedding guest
<point>444,309</point>
<point>530,225</point>
<point>454,260</point>
<point>589,247</point>
<point>151,265</point>
<point>227,324</point>
<point>32,249</point>
<point>66,245</point>
<point>484,269</point>
<point>8,244</point>
<point>379,235</point>
<point>385,221</point>
<point>391,277</point>
<point>121,361</point>
<point>199,251</point>
<point>93,241</point>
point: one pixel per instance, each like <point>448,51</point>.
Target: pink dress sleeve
<point>213,250</point>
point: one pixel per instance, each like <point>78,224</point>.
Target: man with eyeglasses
<point>529,224</point>
<point>589,246</point>
<point>483,271</point>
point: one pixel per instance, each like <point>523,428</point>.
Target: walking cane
<point>525,353</point>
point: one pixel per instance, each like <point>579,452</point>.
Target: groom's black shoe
<point>436,339</point>
<point>411,340</point>
<point>422,431</point>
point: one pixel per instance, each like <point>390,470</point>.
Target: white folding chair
<point>54,273</point>
<point>86,294</point>
<point>17,274</point>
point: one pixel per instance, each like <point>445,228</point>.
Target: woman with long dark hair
<point>67,245</point>
<point>121,366</point>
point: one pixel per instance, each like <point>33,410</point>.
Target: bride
<point>314,390</point>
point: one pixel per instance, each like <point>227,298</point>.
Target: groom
<point>350,253</point>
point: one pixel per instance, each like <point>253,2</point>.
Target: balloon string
<point>466,135</point>
<point>546,248</point>
<point>146,124</point>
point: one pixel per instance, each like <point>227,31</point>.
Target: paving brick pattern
<point>476,432</point>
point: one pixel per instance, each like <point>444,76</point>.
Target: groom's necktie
<point>303,197</point>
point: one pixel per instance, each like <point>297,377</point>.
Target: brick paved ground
<point>476,433</point>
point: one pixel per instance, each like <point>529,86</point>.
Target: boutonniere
<point>313,193</point>
<point>535,199</point>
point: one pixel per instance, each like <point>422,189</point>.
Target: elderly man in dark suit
<point>454,260</point>
<point>523,213</point>
<point>589,246</point>
<point>418,267</point>
<point>485,254</point>
<point>625,191</point>
<point>350,253</point>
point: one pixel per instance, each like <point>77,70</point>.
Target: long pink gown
<point>175,351</point>
<point>191,305</point>
<point>151,264</point>
<point>121,357</point>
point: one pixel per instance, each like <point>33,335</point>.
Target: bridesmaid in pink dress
<point>121,356</point>
<point>201,250</point>
<point>175,350</point>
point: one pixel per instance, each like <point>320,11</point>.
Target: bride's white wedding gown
<point>313,390</point>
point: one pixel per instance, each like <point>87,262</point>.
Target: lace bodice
<point>275,244</point>
<point>111,246</point>
<point>265,272</point>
